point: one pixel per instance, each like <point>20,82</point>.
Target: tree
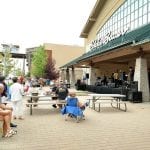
<point>50,70</point>
<point>39,62</point>
<point>18,72</point>
<point>6,62</point>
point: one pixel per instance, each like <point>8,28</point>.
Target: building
<point>117,37</point>
<point>15,54</point>
<point>61,54</point>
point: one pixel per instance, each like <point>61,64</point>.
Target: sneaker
<point>54,106</point>
<point>87,104</point>
<point>13,125</point>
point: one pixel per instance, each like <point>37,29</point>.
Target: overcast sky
<point>30,23</point>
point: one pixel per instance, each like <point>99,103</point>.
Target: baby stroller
<point>72,109</point>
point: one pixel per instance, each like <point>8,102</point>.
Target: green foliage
<point>18,72</point>
<point>27,74</point>
<point>39,62</point>
<point>7,62</point>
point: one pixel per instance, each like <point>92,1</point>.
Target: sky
<point>30,23</point>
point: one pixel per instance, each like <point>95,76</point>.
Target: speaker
<point>134,86</point>
<point>87,75</point>
<point>135,97</point>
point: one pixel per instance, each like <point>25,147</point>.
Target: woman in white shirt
<point>16,92</point>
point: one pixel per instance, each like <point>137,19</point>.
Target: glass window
<point>125,20</point>
<point>129,2</point>
<point>128,18</point>
<point>136,23</point>
<point>128,9</point>
<point>140,3</point>
<point>149,17</point>
<point>125,12</point>
<point>136,4</point>
<point>145,19</point>
<point>121,14</point>
<point>125,4</point>
<point>140,21</point>
<point>128,25</point>
<point>132,7</point>
<point>149,6</point>
<point>144,1</point>
<point>140,12</point>
<point>121,22</point>
<point>110,22</point>
<point>132,16</point>
<point>116,18</point>
<point>132,25</point>
<point>136,14</point>
<point>144,9</point>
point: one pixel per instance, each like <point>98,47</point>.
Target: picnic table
<point>115,101</point>
<point>43,100</point>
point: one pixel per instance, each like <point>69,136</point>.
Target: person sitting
<point>5,116</point>
<point>62,93</point>
<point>5,95</point>
<point>73,107</point>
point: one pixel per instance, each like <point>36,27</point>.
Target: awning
<point>135,37</point>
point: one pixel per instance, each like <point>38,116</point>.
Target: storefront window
<point>132,14</point>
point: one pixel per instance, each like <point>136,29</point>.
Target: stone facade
<point>141,75</point>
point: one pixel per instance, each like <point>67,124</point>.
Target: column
<point>141,75</point>
<point>62,75</point>
<point>23,69</point>
<point>73,77</point>
<point>67,75</point>
<point>92,78</point>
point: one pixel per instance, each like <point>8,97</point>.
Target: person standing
<point>116,77</point>
<point>16,91</point>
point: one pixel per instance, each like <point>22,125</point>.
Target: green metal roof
<point>137,36</point>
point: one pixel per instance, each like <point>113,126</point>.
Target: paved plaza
<point>110,129</point>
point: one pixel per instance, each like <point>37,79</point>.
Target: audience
<point>5,116</point>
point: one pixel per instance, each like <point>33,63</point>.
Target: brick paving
<point>110,129</point>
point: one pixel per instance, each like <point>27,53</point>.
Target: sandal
<point>13,131</point>
<point>8,134</point>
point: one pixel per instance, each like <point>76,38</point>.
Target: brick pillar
<point>92,78</point>
<point>141,75</point>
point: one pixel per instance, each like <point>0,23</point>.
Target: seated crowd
<point>5,116</point>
